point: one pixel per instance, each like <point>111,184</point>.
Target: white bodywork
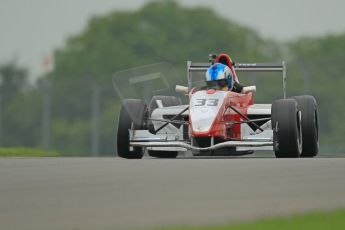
<point>169,132</point>
<point>247,133</point>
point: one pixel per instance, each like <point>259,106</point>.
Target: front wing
<point>143,138</point>
<point>180,144</point>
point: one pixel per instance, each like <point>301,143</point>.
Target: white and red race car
<point>219,123</point>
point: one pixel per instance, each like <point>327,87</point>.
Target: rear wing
<point>240,67</point>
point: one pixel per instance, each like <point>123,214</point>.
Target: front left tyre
<point>286,125</point>
<point>131,116</point>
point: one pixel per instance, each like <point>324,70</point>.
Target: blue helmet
<point>219,75</point>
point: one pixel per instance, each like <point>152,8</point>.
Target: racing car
<point>219,123</point>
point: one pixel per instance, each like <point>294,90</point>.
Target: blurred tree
<point>13,79</point>
<point>19,108</point>
<point>317,68</point>
<point>22,120</point>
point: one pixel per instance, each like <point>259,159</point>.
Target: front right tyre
<point>309,123</point>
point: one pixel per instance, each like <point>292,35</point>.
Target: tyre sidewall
<point>131,115</point>
<point>308,107</point>
<point>286,128</point>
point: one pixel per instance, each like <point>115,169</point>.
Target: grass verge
<point>27,152</point>
<point>334,220</point>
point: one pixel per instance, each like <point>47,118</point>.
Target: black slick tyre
<point>309,123</point>
<point>131,116</point>
<point>287,135</point>
<point>163,154</point>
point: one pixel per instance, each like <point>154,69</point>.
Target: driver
<point>220,77</point>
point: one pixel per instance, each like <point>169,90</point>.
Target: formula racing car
<point>219,123</point>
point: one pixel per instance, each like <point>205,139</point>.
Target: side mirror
<point>181,89</point>
<point>249,89</point>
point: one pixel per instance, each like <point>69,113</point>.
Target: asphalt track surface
<point>109,193</point>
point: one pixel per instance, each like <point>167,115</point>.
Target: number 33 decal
<point>206,102</point>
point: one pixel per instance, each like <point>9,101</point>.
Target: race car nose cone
<point>211,91</point>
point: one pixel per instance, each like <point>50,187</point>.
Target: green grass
<point>27,152</point>
<point>314,221</point>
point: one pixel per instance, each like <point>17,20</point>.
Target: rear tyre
<point>163,154</point>
<point>287,135</point>
<point>309,123</point>
<point>131,115</point>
